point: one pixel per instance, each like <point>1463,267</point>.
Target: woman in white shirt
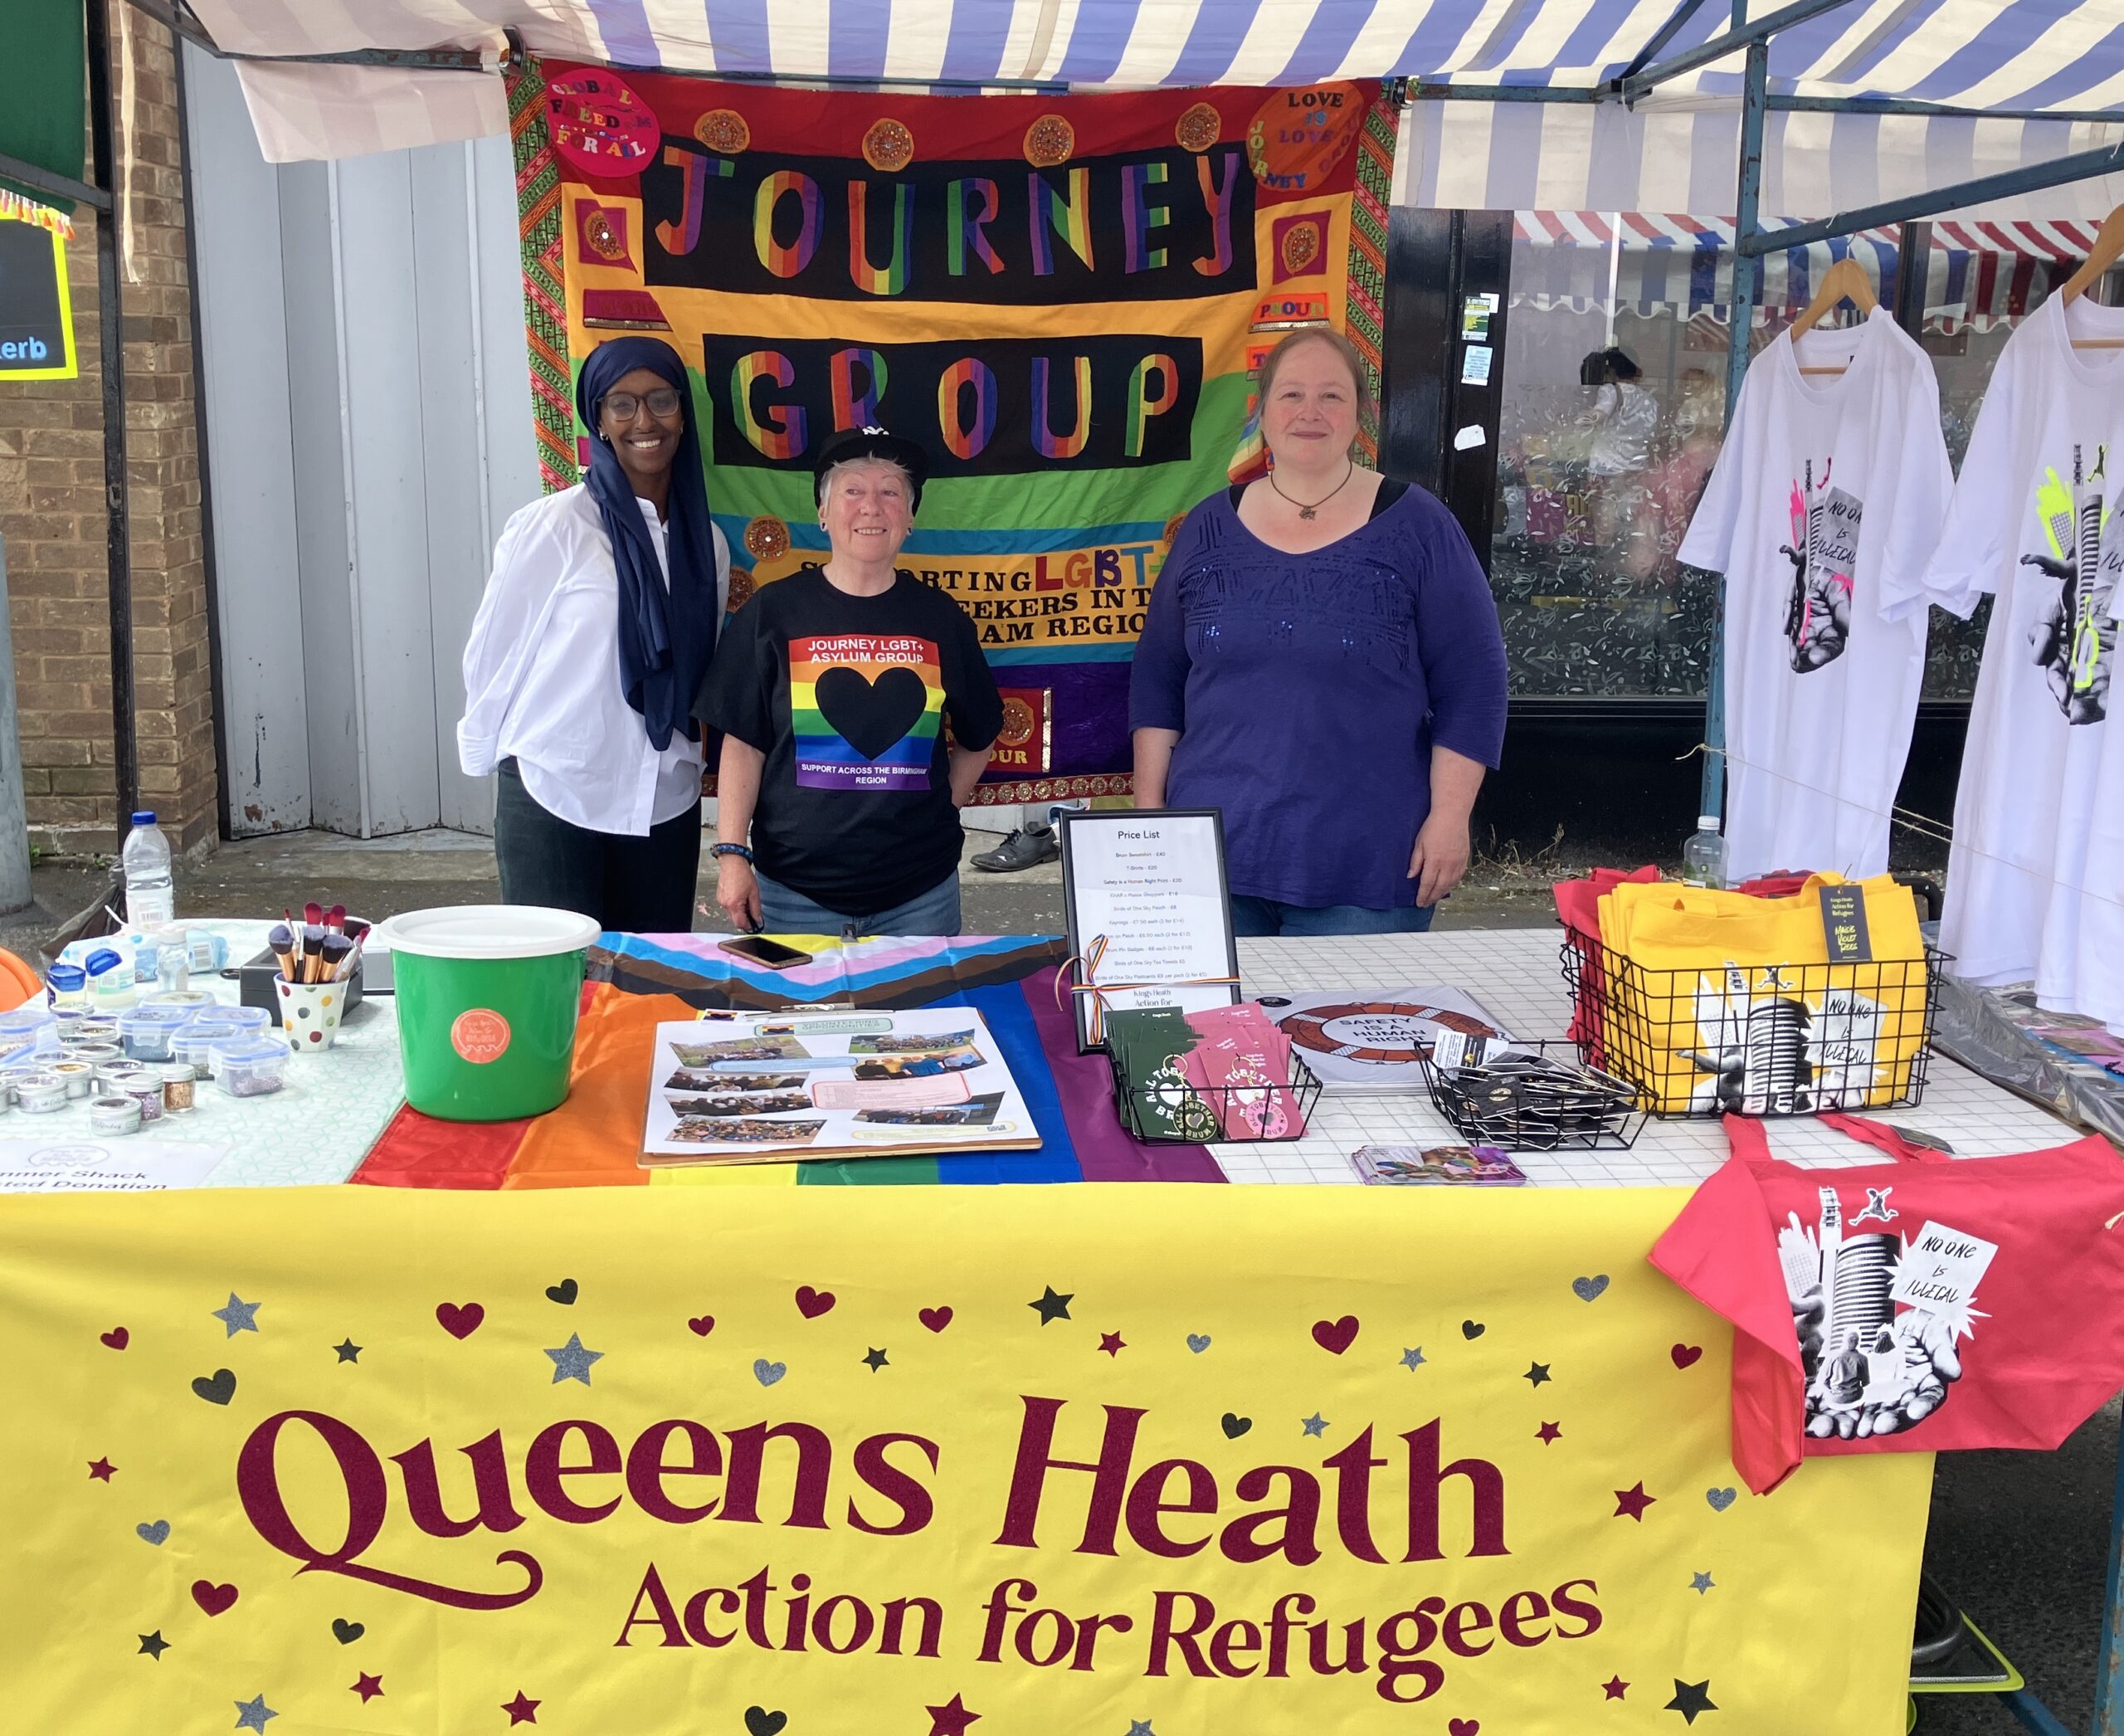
<point>596,626</point>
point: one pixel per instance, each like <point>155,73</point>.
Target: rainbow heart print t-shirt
<point>866,711</point>
<point>854,702</point>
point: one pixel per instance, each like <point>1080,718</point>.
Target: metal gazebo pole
<point>1740,309</point>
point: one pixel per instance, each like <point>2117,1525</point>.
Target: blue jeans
<point>783,911</point>
<point>1259,918</point>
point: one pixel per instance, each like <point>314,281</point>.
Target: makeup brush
<point>313,914</point>
<point>338,950</point>
<point>335,919</point>
<point>283,943</point>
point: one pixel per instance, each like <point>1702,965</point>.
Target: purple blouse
<point>1309,689</point>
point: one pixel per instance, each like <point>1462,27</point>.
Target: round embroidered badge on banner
<point>599,126</point>
<point>480,1035</point>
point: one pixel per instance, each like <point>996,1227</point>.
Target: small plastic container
<point>111,987</point>
<point>180,1089</point>
<point>29,1030</point>
<point>148,1031</point>
<point>173,958</point>
<point>114,1117</point>
<point>40,1093</point>
<point>193,1047</point>
<point>67,988</point>
<point>145,1089</point>
<point>250,1066</point>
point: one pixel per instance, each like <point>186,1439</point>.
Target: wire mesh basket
<point>1169,1109</point>
<point>1767,1040</point>
<point>1538,1096</point>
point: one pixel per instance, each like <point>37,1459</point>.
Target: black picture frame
<point>1213,819</point>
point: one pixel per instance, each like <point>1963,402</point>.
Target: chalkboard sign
<point>36,319</point>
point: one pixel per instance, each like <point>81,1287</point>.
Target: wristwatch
<point>736,850</point>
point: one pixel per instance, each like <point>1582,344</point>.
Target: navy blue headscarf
<point>665,640</point>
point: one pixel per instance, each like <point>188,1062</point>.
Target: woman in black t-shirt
<point>831,688</point>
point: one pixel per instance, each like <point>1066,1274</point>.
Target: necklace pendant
<point>1307,512</point>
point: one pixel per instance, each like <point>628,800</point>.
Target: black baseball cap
<point>871,443</point>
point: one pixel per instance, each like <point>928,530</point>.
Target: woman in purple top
<point>1322,662</point>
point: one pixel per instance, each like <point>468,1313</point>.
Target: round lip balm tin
<point>40,1093</point>
<point>115,1115</point>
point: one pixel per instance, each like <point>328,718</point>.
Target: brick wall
<point>52,517</point>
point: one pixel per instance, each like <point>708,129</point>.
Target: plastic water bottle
<point>150,894</point>
<point>1703,857</point>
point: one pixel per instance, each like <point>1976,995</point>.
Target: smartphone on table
<point>758,949</point>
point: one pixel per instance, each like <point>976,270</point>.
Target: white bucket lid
<point>487,931</point>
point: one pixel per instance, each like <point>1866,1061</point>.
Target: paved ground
<point>2021,1539</point>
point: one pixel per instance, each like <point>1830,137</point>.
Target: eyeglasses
<point>621,406</point>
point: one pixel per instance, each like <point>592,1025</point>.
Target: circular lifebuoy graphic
<point>1049,140</point>
<point>1390,1032</point>
<point>889,146</point>
<point>599,126</point>
<point>724,131</point>
<point>480,1035</point>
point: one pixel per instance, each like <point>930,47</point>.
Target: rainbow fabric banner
<point>923,1462</point>
<point>638,982</point>
<point>1062,298</point>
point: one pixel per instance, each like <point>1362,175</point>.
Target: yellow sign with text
<point>1010,1461</point>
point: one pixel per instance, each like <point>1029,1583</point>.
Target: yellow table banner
<point>1110,1462</point>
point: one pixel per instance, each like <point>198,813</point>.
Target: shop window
<point>1615,399</point>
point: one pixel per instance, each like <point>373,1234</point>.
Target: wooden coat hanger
<point>1845,279</point>
<point>2108,249</point>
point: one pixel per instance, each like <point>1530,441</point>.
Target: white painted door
<point>368,429</point>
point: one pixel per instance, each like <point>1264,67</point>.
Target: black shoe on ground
<point>1027,847</point>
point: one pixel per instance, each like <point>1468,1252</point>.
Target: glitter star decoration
<point>522,1709</point>
<point>102,1471</point>
<point>1631,1502</point>
<point>1691,1697</point>
<point>572,1361</point>
<point>250,1714</point>
<point>875,1361</point>
<point>348,1351</point>
<point>1112,1343</point>
<point>1051,1307</point>
<point>1700,1582</point>
<point>1316,1424</point>
<point>154,1645</point>
<point>1615,1687</point>
<point>1412,1359</point>
<point>1548,1432</point>
<point>240,1315</point>
<point>951,1718</point>
<point>1537,1373</point>
<point>369,1687</point>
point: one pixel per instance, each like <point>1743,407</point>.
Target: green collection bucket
<point>488,995</point>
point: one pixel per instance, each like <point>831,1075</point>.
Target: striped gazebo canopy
<point>1978,274</point>
<point>2026,55</point>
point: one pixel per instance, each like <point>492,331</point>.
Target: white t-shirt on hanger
<point>2044,461</point>
<point>1823,507</point>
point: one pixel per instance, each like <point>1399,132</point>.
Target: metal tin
<point>113,1115</point>
<point>81,1076</point>
<point>41,1094</point>
<point>147,1092</point>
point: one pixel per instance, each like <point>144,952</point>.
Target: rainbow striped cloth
<point>637,981</point>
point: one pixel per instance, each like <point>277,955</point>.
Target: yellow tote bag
<point>1729,1001</point>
